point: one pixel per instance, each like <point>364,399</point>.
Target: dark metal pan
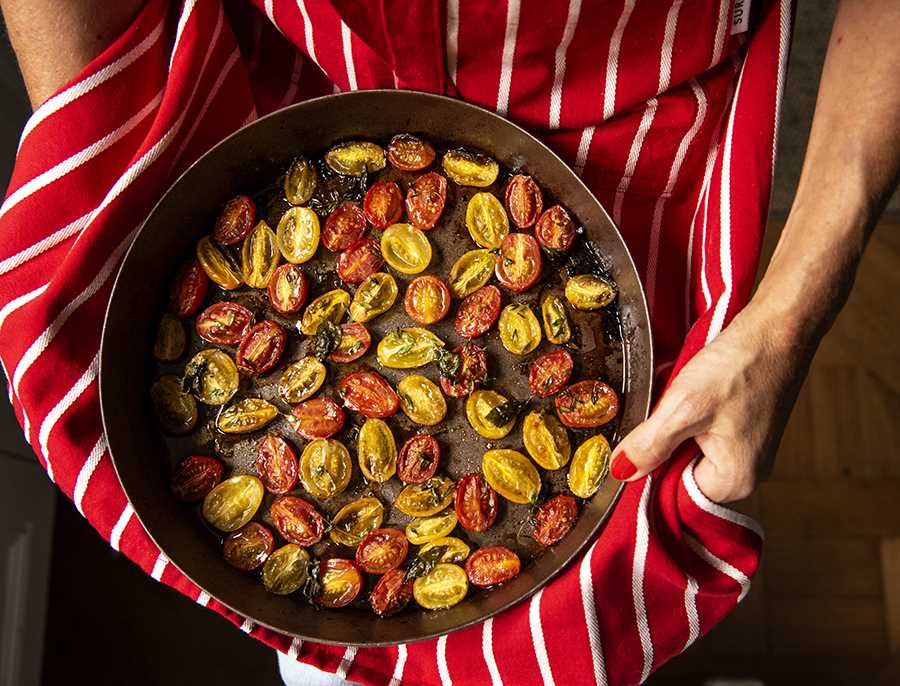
<point>248,159</point>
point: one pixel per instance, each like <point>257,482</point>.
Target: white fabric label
<point>740,18</point>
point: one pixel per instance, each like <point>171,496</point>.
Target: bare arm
<point>735,396</point>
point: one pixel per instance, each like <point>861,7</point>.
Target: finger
<point>722,476</point>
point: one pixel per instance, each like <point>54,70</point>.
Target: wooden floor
<point>826,607</point>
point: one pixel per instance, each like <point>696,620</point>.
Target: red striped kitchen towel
<point>669,118</point>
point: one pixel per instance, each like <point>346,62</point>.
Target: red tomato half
<point>587,404</point>
<point>261,347</point>
<point>248,547</point>
<point>409,153</point>
<point>476,503</point>
<point>339,582</point>
<point>360,261</point>
<point>492,566</point>
<point>549,373</point>
<point>297,520</point>
<point>317,418</point>
<point>427,299</point>
<point>276,464</point>
<point>369,394</point>
<point>382,550</point>
<point>425,200</point>
<point>391,594</point>
<point>383,204</point>
<point>524,200</point>
<point>235,221</point>
<point>555,519</point>
<point>195,477</point>
<point>555,229</point>
<point>355,342</point>
<point>344,226</point>
<point>472,371</point>
<point>288,288</point>
<point>478,312</point>
<point>224,323</point>
<point>188,289</point>
<point>518,265</point>
<point>419,459</point>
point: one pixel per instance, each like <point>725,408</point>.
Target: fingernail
<point>622,468</point>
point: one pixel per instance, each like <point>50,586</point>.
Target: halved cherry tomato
<point>300,182</point>
<point>376,450</point>
<point>589,467</point>
<point>406,248</point>
<point>317,418</point>
<point>219,264</point>
<point>246,416</point>
<point>355,520</point>
<point>233,502</point>
<point>555,519</point>
<point>391,594</point>
<point>421,400</point>
<point>546,440</point>
<point>248,547</point>
<point>325,468</point>
<point>512,475</point>
<point>188,289</point>
<point>550,372</point>
<point>235,220</point>
<point>409,153</point>
<point>344,226</point>
<point>427,299</point>
<point>382,550</point>
<point>470,168</point>
<point>170,339</point>
<point>195,477</point>
<point>355,342</point>
<point>374,297</point>
<point>476,503</point>
<point>424,529</point>
<point>555,229</point>
<point>211,376</point>
<point>479,406</point>
<point>470,272</point>
<point>444,586</point>
<point>297,520</point>
<point>286,570</point>
<point>224,323</point>
<point>360,261</point>
<point>492,566</point>
<point>288,289</point>
<point>425,200</point>
<point>524,200</point>
<point>383,204</point>
<point>369,394</point>
<point>301,380</point>
<point>587,404</point>
<point>478,312</point>
<point>419,459</point>
<point>339,582</point>
<point>518,265</point>
<point>260,256</point>
<point>589,292</point>
<point>426,499</point>
<point>472,371</point>
<point>486,220</point>
<point>556,321</point>
<point>520,330</point>
<point>353,158</point>
<point>330,306</point>
<point>261,347</point>
<point>276,464</point>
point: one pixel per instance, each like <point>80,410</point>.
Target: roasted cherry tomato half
<point>369,394</point>
<point>330,306</point>
<point>259,256</point>
<point>248,547</point>
<point>409,153</point>
<point>360,261</point>
<point>355,342</point>
<point>476,503</point>
<point>405,248</point>
<point>427,299</point>
<point>512,475</point>
<point>235,221</point>
<point>444,586</point>
<point>520,330</point>
<point>486,220</point>
<point>425,529</point>
<point>383,204</point>
<point>219,264</point>
<point>233,502</point>
<point>425,499</point>
<point>478,312</point>
<point>261,347</point>
<point>518,265</point>
<point>344,227</point>
<point>524,200</point>
<point>421,400</point>
<point>425,200</point>
<point>339,583</point>
<point>376,450</point>
<point>470,272</point>
<point>472,371</point>
<point>298,234</point>
<point>589,466</point>
<point>317,418</point>
<point>550,372</point>
<point>587,404</point>
<point>355,520</point>
<point>554,519</point>
<point>469,168</point>
<point>276,464</point>
<point>546,440</point>
<point>301,380</point>
<point>170,339</point>
<point>419,459</point>
<point>492,566</point>
<point>374,297</point>
<point>556,321</point>
<point>382,550</point>
<point>188,289</point>
<point>286,570</point>
<point>300,182</point>
<point>479,405</point>
<point>355,157</point>
<point>391,594</point>
<point>325,468</point>
<point>224,323</point>
<point>246,416</point>
<point>408,347</point>
<point>288,289</point>
<point>297,520</point>
<point>455,550</point>
<point>589,292</point>
<point>195,477</point>
<point>555,229</point>
<point>211,377</point>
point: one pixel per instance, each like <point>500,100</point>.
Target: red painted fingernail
<point>622,467</point>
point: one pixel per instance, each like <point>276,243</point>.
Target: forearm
<point>849,172</point>
<point>53,40</point>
